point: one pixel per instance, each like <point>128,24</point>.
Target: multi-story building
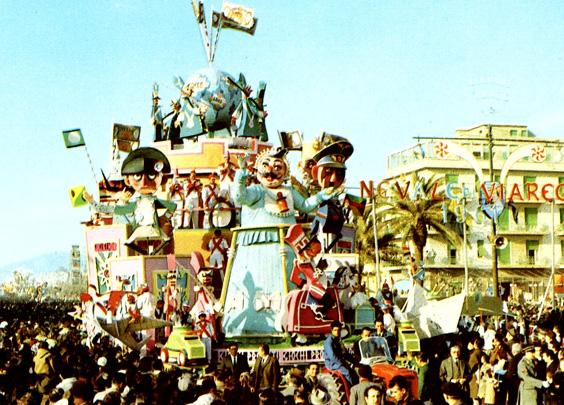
<point>530,230</point>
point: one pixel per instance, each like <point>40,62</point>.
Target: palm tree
<point>411,219</point>
<point>364,241</point>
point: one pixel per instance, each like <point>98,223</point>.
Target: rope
<point>91,165</point>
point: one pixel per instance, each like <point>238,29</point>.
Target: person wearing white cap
<point>319,396</point>
<point>205,330</point>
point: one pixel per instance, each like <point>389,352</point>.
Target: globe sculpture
<point>214,95</point>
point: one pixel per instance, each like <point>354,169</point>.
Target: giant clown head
<point>272,168</point>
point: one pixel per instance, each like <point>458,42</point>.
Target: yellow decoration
<point>77,196</point>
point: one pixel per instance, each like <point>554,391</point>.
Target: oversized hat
<point>145,160</point>
<point>334,150</point>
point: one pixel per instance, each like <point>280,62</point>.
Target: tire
<point>164,356</point>
<point>182,358</point>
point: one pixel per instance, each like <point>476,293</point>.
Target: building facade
<point>526,196</point>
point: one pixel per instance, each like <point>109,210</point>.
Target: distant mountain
<point>39,266</point>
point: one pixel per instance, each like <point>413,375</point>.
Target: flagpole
<point>375,233</point>
<point>91,165</point>
<point>465,246</point>
<point>214,46</point>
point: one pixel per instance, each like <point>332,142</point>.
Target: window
<point>451,254</point>
<point>481,248</point>
<point>513,132</point>
<point>504,255</point>
<point>561,216</point>
<point>451,178</point>
<point>528,179</point>
<point>532,251</point>
<point>503,220</point>
<point>531,216</point>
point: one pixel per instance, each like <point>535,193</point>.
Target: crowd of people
<point>46,358</point>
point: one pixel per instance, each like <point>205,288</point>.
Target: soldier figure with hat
<point>157,115</point>
<point>211,195</point>
<point>193,198</point>
<point>143,170</point>
<point>329,171</point>
<point>174,122</point>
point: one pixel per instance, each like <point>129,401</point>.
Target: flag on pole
<point>356,204</point>
<point>198,11</point>
<point>235,17</point>
<point>73,138</point>
<point>77,196</point>
<point>127,137</point>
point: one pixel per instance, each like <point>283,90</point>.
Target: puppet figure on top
<point>149,216</point>
<point>258,279</point>
<point>329,172</point>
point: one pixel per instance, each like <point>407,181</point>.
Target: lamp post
<point>375,233</point>
<point>465,247</point>
<point>493,228</point>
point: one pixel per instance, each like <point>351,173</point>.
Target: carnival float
<point>202,236</point>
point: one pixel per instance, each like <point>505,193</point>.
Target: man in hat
<point>143,170</point>
<point>530,380</point>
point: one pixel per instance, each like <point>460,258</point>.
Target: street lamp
<point>494,230</point>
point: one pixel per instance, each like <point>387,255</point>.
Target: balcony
<point>523,229</point>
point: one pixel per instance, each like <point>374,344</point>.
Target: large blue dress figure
<point>258,281</point>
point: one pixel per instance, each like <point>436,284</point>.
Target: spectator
<point>356,396</point>
<point>424,377</point>
<point>475,348</point>
<point>266,371</point>
<point>454,395</point>
<point>374,394</point>
<point>311,376</point>
<point>530,382</point>
<point>400,391</point>
<point>512,380</point>
<point>371,349</point>
<point>335,354</point>
<point>44,367</point>
<point>319,396</point>
<point>294,382</point>
<point>455,370</point>
<point>234,362</point>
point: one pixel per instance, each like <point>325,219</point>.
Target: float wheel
<point>182,358</point>
<point>164,355</point>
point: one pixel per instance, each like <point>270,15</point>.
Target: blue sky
<point>378,72</point>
